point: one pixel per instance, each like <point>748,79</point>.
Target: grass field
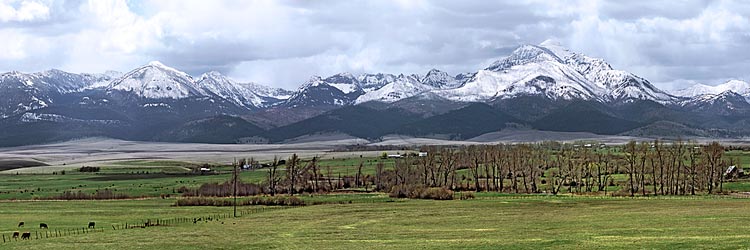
<point>508,222</point>
<point>362,220</point>
<point>151,178</point>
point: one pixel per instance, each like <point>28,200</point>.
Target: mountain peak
<point>439,79</point>
<point>157,81</point>
<point>737,86</point>
<point>156,64</point>
<point>14,73</point>
<point>550,42</point>
<point>556,48</point>
<point>729,93</point>
<point>213,74</point>
<point>54,71</point>
<point>523,55</point>
<point>344,74</point>
<point>161,66</point>
<point>433,71</point>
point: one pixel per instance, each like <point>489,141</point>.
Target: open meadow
<point>508,222</point>
<point>349,213</point>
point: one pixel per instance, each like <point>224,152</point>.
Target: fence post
<point>3,238</point>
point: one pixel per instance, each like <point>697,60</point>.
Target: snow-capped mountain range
<point>20,92</point>
<point>28,91</point>
<point>546,70</point>
<point>740,87</point>
<point>158,81</point>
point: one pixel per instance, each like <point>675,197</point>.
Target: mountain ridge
<point>544,86</point>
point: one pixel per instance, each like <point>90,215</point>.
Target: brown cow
<point>20,223</point>
<point>43,226</point>
<point>26,235</point>
<point>16,234</point>
<point>92,224</point>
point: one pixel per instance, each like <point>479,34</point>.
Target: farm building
<point>733,172</point>
<point>255,165</point>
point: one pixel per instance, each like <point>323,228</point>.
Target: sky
<point>280,43</point>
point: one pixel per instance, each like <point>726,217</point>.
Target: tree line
<point>636,168</point>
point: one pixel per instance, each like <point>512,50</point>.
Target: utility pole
<point>234,189</point>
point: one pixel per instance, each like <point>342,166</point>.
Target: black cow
<point>20,224</point>
<point>92,224</point>
<point>43,226</point>
<point>16,234</point>
<point>26,235</point>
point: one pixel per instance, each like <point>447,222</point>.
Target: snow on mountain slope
<point>248,95</point>
<point>721,103</point>
<point>370,82</point>
<point>625,87</point>
<point>157,81</point>
<point>317,92</point>
<point>220,85</point>
<point>403,86</point>
<point>529,70</point>
<point>345,89</point>
<point>553,71</point>
<point>737,86</point>
<point>620,85</point>
<point>65,82</point>
<point>440,80</point>
<point>268,92</point>
<point>22,92</point>
<point>524,55</point>
<point>345,82</point>
<point>102,80</point>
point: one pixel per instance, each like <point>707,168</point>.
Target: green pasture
<point>495,222</point>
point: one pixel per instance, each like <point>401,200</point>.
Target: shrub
<point>105,194</point>
<point>265,201</point>
<point>183,189</point>
<point>222,190</point>
<point>86,169</point>
<point>274,201</point>
<point>421,192</point>
<point>437,193</point>
<point>466,196</point>
<point>203,201</point>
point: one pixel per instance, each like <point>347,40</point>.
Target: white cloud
<point>283,43</point>
<point>24,11</point>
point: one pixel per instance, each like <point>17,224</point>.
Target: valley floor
<point>100,151</point>
<point>487,222</point>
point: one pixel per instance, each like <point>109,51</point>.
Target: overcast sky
<point>283,43</point>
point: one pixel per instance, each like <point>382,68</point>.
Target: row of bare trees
<point>646,168</point>
<point>676,168</point>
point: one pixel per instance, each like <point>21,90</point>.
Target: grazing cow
<point>92,224</point>
<point>26,235</point>
<point>20,224</point>
<point>43,226</point>
<point>15,234</point>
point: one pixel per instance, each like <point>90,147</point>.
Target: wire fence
<point>45,233</point>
